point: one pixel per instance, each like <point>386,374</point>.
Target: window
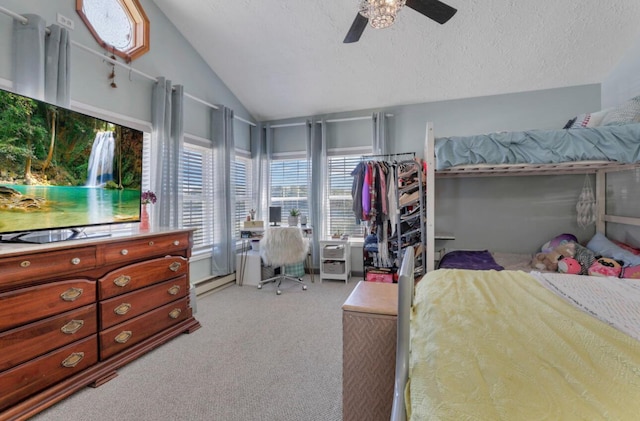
<point>339,209</point>
<point>197,183</point>
<point>119,26</point>
<point>289,185</point>
<point>242,180</point>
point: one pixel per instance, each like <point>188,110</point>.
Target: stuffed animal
<point>585,256</point>
<point>605,266</point>
<point>631,272</point>
<point>569,265</point>
<point>558,241</point>
<point>549,261</point>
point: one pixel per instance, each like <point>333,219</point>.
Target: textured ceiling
<point>286,58</point>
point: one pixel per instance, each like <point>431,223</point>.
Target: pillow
<point>627,247</point>
<point>581,121</point>
<point>557,241</point>
<point>596,118</point>
<point>628,112</point>
<point>601,245</point>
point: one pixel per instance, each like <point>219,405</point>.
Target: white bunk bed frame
<point>599,168</point>
<point>406,279</point>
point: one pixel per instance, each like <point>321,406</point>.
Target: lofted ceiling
<point>286,59</point>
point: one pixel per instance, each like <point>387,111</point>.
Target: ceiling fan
<point>382,13</point>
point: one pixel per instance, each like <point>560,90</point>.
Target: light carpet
<point>258,356</point>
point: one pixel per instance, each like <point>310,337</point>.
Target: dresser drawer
<point>124,307</point>
<point>26,342</point>
<point>26,305</point>
<point>29,378</point>
<point>124,335</point>
<point>127,251</point>
<point>140,275</point>
<point>16,271</point>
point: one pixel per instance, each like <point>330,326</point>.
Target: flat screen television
<point>62,171</point>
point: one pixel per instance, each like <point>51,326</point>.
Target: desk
<point>248,261</point>
<point>369,332</point>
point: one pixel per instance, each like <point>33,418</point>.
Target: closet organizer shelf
<point>72,313</point>
<point>406,221</point>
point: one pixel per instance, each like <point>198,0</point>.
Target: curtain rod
<point>335,120</point>
<point>24,20</point>
<point>389,155</point>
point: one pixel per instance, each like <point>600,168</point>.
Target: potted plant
<point>294,213</point>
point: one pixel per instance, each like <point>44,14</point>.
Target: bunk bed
<point>512,344</point>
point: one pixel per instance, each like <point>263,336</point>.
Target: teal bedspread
<point>611,143</point>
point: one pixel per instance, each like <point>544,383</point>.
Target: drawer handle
<point>25,264</point>
<point>122,280</point>
<point>174,290</point>
<point>175,313</point>
<point>75,261</point>
<point>122,309</point>
<point>73,359</point>
<point>151,243</point>
<point>124,252</point>
<point>71,294</point>
<point>123,336</point>
<point>175,266</point>
<point>176,243</point>
<point>72,327</point>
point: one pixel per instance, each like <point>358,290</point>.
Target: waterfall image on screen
<point>61,169</point>
<point>101,160</point>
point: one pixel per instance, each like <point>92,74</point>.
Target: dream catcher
<point>586,206</point>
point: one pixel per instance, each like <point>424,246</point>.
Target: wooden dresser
<point>369,332</point>
<point>72,313</point>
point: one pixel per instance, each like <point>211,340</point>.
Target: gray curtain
<point>167,139</point>
<point>57,66</point>
<point>317,159</point>
<point>268,155</point>
<point>260,169</point>
<point>379,133</point>
<point>224,247</point>
<point>41,62</point>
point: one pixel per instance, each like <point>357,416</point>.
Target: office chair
<point>282,246</point>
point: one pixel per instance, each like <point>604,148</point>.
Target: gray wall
<point>170,56</point>
<point>507,214</point>
<point>623,189</point>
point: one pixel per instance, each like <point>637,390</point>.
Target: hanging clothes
<point>356,190</point>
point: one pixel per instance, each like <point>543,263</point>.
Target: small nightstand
<point>335,260</point>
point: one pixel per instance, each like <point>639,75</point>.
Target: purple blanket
<point>469,259</point>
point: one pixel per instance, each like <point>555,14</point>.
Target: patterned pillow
<point>581,121</point>
<point>628,112</point>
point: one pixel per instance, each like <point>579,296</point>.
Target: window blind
<point>339,209</point>
<point>289,181</point>
<point>242,180</point>
<point>197,190</point>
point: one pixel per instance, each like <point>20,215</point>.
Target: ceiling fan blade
<point>356,30</point>
<point>433,9</point>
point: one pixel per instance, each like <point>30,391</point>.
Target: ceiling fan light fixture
<point>381,13</point>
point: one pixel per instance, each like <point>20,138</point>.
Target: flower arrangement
<point>148,197</point>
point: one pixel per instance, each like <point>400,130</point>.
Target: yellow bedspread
<point>490,345</point>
